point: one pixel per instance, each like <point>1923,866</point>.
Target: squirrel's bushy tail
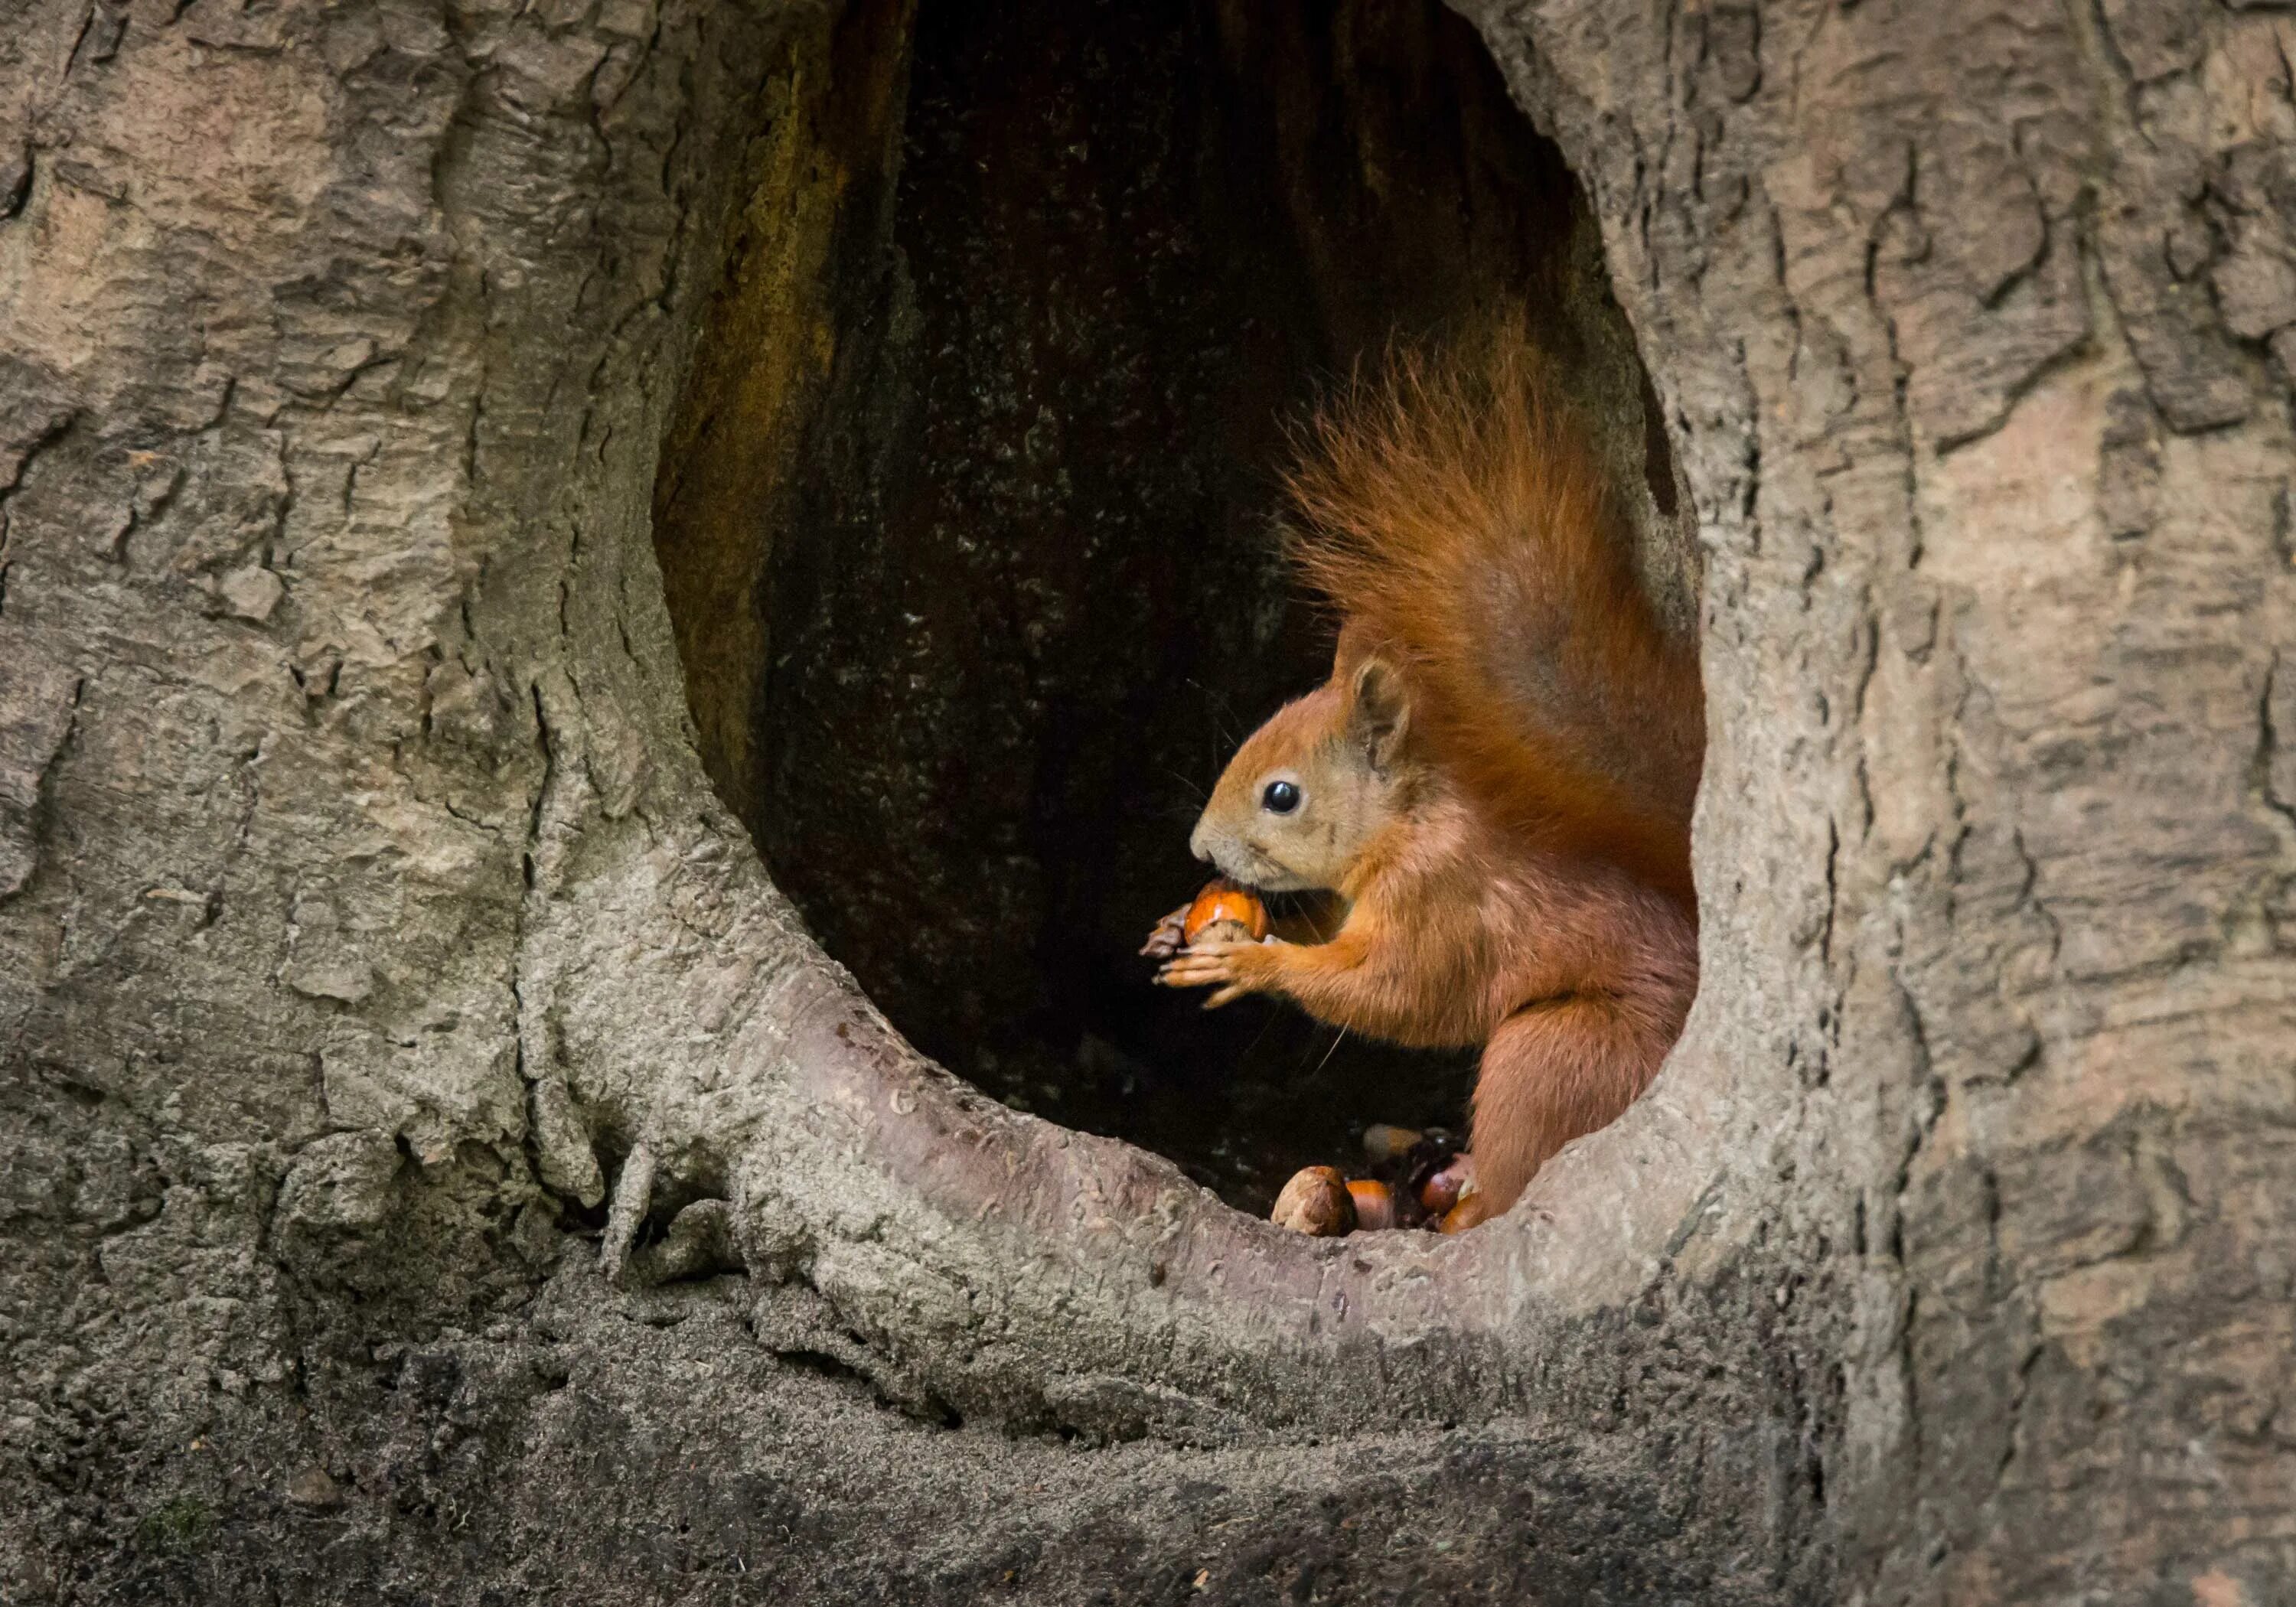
<point>1459,523</point>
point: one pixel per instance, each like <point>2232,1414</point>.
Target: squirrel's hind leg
<point>1552,1071</point>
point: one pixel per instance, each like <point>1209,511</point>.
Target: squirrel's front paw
<point>1235,967</point>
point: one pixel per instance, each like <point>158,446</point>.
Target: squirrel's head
<point>1306,791</point>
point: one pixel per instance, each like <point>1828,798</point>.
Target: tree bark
<point>439,1163</point>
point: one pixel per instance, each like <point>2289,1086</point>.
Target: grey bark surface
<point>439,1165</point>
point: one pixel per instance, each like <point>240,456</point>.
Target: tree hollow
<point>967,514</point>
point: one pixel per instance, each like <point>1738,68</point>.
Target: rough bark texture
<point>439,1165</point>
<point>1975,326</point>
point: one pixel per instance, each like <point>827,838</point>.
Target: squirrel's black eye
<point>1281,798</point>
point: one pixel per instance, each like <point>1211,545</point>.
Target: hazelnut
<point>1375,1203</point>
<point>1470,1212</point>
<point>1383,1143</point>
<point>1447,1186</point>
<point>1221,905</point>
<point>1316,1201</point>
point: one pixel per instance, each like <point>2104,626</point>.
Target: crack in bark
<point>37,809</point>
<point>51,434</point>
<point>2268,740</point>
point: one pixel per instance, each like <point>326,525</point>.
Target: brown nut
<point>1224,904</point>
<point>1448,1185</point>
<point>1470,1212</point>
<point>1375,1203</point>
<point>1383,1143</point>
<point>1315,1202</point>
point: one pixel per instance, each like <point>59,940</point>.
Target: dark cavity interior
<point>966,512</point>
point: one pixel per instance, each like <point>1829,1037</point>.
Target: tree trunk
<point>441,1164</point>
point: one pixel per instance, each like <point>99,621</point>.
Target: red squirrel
<point>1496,781</point>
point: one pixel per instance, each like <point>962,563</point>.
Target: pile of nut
<point>1413,1179</point>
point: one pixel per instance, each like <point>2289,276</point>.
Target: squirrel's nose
<point>1200,843</point>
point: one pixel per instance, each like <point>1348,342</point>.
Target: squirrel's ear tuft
<point>1379,709</point>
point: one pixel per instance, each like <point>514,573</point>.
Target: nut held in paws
<point>1225,903</point>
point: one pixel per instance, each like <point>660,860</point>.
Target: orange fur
<point>1510,833</point>
<point>1452,514</point>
